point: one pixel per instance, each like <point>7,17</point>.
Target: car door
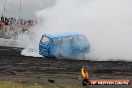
<point>55,48</point>
<point>66,47</point>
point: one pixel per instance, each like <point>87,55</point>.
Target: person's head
<point>84,71</point>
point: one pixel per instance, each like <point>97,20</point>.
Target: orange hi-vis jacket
<point>84,74</point>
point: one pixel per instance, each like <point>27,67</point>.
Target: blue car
<point>65,45</point>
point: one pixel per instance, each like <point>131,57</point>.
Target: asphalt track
<point>14,66</point>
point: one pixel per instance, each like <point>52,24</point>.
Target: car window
<point>67,40</point>
<point>80,41</point>
<point>57,41</point>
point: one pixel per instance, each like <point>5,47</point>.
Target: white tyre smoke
<point>106,23</point>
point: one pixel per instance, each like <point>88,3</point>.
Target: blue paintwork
<point>63,50</point>
<point>62,34</point>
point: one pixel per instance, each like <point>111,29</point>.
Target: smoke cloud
<point>106,23</point>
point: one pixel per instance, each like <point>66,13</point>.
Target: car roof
<point>63,34</point>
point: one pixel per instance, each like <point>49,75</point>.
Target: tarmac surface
<point>15,67</point>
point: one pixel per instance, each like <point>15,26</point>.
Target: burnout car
<point>64,45</point>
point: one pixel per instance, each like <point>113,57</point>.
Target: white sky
<point>28,7</point>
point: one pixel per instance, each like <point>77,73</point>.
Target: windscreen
<point>45,40</point>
